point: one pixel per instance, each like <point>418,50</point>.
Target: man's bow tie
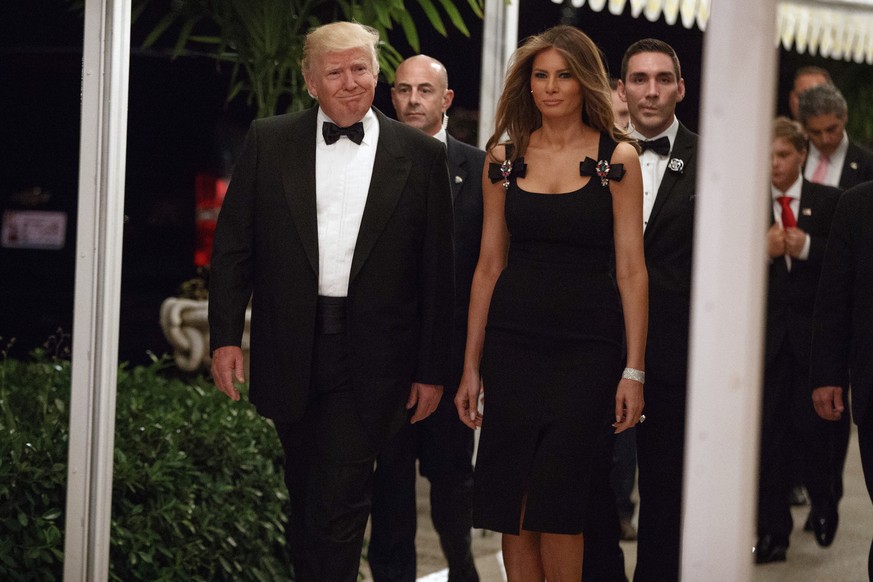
<point>332,132</point>
<point>660,146</point>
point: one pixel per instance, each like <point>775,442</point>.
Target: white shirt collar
<point>792,192</point>
<point>441,135</point>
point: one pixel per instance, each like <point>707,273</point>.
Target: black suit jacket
<point>401,282</point>
<point>465,172</point>
<point>791,294</point>
<point>857,168</point>
<point>842,340</point>
<point>668,244</point>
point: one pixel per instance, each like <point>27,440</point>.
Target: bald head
<point>421,93</point>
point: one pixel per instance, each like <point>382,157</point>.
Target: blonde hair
<point>517,114</point>
<point>338,37</point>
<point>791,131</point>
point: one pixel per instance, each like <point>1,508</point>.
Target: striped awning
<point>835,29</point>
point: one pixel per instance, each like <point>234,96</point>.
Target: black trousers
<point>444,447</point>
<point>786,411</point>
<point>328,471</point>
<point>865,444</point>
<point>660,462</point>
<point>603,560</point>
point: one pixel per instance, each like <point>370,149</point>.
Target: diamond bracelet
<point>634,374</point>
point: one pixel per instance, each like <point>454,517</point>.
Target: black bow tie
<point>332,132</point>
<point>660,146</point>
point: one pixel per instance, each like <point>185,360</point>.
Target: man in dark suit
<point>441,443</point>
<point>836,161</point>
<point>652,85</point>
<point>842,339</point>
<point>833,158</point>
<point>796,241</point>
<point>338,226</point>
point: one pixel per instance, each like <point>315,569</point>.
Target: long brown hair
<point>517,115</point>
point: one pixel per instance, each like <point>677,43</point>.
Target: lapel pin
<point>854,165</point>
<point>806,211</point>
<point>458,180</point>
<point>676,165</point>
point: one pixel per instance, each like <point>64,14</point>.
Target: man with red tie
<point>802,213</point>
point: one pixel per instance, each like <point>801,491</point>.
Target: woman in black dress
<point>561,281</point>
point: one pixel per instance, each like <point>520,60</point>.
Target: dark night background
<point>179,124</point>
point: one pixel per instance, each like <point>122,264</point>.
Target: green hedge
<point>197,486</point>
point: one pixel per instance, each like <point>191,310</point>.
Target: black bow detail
<point>660,146</point>
<point>495,173</point>
<point>332,132</point>
<point>602,169</point>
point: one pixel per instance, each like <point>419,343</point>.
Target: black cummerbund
<point>330,316</point>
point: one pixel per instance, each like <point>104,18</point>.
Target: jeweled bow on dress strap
<point>602,169</point>
<point>505,170</point>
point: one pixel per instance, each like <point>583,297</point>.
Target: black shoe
<point>769,550</point>
<point>824,520</point>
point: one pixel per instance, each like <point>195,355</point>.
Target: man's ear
<point>620,90</point>
<point>447,99</point>
<point>680,94</point>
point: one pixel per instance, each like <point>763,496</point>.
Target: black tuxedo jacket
<point>857,168</point>
<point>668,244</point>
<point>791,294</point>
<point>401,283</point>
<point>842,340</point>
<point>465,172</point>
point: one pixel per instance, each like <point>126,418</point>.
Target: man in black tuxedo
<point>802,213</point>
<point>842,339</point>
<point>652,85</point>
<point>833,158</point>
<point>441,443</point>
<point>337,225</point>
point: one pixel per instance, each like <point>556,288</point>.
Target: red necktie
<point>788,220</point>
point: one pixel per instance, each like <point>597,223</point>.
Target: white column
<point>499,40</point>
<point>728,297</point>
<point>102,149</point>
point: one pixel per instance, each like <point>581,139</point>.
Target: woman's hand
<point>628,404</point>
<point>467,399</point>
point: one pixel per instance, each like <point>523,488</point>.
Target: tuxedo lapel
<point>390,169</point>
<point>682,150</point>
<point>298,179</point>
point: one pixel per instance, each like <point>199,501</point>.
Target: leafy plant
<point>197,487</point>
<point>263,39</point>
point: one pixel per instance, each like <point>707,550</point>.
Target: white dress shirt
<point>653,166</point>
<point>793,192</point>
<point>836,161</point>
<point>342,180</point>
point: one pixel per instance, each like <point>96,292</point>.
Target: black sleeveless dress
<point>553,354</point>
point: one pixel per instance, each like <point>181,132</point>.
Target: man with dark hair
<point>833,158</point>
<point>337,225</point>
<point>842,337</point>
<point>806,78</point>
<point>652,85</point>
<point>441,443</point>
